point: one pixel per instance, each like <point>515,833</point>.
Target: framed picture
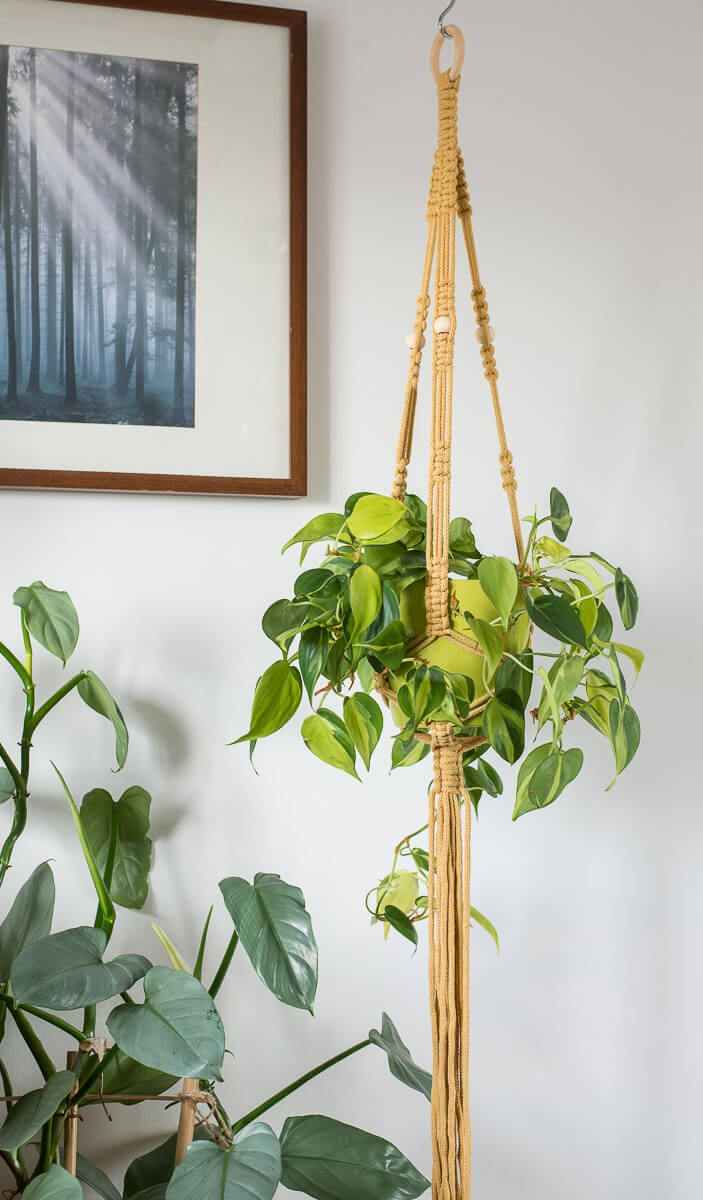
<point>153,246</point>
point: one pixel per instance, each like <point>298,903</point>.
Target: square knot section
<point>447,754</point>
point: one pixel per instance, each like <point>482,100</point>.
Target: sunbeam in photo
<point>98,173</point>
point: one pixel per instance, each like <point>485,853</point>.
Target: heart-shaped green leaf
<point>50,618</point>
<point>556,617</point>
<point>624,735</point>
<point>117,835</point>
<point>282,620</point>
<point>364,720</point>
<point>332,1161</point>
<point>543,776</point>
<point>373,516</point>
<point>560,515</point>
<point>56,1184</point>
<point>365,596</point>
<point>65,971</point>
<point>176,1030</point>
<point>324,740</point>
<point>504,725</point>
<point>498,578</point>
<point>400,1061</point>
<point>389,645</point>
<point>406,754</point>
<point>92,690</point>
<point>275,930</point>
<point>276,699</point>
<point>312,656</point>
<point>626,596</point>
<point>33,1110</point>
<point>401,923</point>
<point>251,1170</point>
<point>29,918</point>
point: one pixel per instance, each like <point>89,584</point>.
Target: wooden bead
<point>410,340</point>
<point>442,324</point>
<point>485,334</point>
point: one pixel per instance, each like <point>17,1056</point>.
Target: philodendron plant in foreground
<point>144,1044</point>
<point>356,622</point>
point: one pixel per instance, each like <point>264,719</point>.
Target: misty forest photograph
<point>98,170</point>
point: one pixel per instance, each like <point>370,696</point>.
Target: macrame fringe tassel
<point>449,914</point>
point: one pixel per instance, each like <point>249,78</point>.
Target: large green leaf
<point>65,971</point>
<point>331,1161</point>
<point>312,656</point>
<point>624,734</point>
<point>323,738</point>
<point>626,596</point>
<point>498,578</point>
<point>276,699</point>
<point>400,1061</point>
<point>282,620</point>
<point>153,1169</point>
<point>517,676</point>
<point>556,617</point>
<point>543,776</point>
<point>34,1109</point>
<point>176,1030</point>
<point>95,1179</point>
<point>50,618</point>
<point>560,515</point>
<point>504,725</point>
<point>389,645</point>
<point>29,918</point>
<point>401,922</point>
<point>364,720</point>
<point>117,835</point>
<point>123,1076</point>
<point>56,1184</point>
<point>251,1170</point>
<point>275,930</point>
<point>92,690</point>
<point>7,785</point>
<point>365,597</point>
<point>373,516</point>
<point>327,525</point>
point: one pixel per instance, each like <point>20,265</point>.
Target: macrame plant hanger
<point>450,807</point>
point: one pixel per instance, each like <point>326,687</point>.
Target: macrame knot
<point>507,472</point>
<point>447,758</point>
<point>478,296</point>
<point>462,189</point>
<point>400,479</point>
<point>490,369</point>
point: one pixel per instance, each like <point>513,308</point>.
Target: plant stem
<point>14,1166</point>
<point>224,966</point>
<point>50,1019</point>
<point>293,1087</point>
<point>93,1075</point>
<point>47,706</point>
<point>16,665</point>
<point>33,1044</point>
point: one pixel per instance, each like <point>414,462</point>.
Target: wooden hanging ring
<point>452,31</point>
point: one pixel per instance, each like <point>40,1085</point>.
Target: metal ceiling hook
<point>442,27</point>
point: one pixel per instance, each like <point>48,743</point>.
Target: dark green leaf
<point>400,1061</point>
<point>312,581</point>
<point>29,918</point>
<point>312,656</point>
<point>504,725</point>
<point>275,930</point>
<point>55,1184</point>
<point>282,620</point>
<point>400,922</point>
<point>65,971</point>
<point>626,596</point>
<point>50,618</point>
<point>95,1179</point>
<point>176,1030</point>
<point>364,720</point>
<point>390,611</point>
<point>389,645</point>
<point>34,1109</point>
<point>323,738</point>
<point>481,777</point>
<point>624,734</point>
<point>117,835</point>
<point>331,1161</point>
<point>515,678</point>
<point>124,1076</point>
<point>251,1170</point>
<point>92,690</point>
<point>603,628</point>
<point>561,517</point>
<point>556,617</point>
<point>276,699</point>
<point>498,578</point>
<point>320,529</point>
<point>543,776</point>
<point>148,1175</point>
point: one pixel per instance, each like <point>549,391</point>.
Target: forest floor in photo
<point>95,406</point>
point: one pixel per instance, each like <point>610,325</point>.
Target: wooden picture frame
<point>292,482</point>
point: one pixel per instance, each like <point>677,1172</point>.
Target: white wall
<point>581,129</point>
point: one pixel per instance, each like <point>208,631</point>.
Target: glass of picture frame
<point>153,246</point>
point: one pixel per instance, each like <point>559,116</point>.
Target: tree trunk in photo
<point>34,383</point>
<point>51,233</point>
<point>139,195</point>
<point>18,262</point>
<point>122,228</point>
<point>102,372</point>
<point>178,382</point>
<point>70,394</point>
<point>7,224</point>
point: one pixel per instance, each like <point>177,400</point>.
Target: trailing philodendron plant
<point>171,1029</point>
<point>357,622</point>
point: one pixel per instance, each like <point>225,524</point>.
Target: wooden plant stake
<point>186,1122</point>
<point>70,1129</point>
